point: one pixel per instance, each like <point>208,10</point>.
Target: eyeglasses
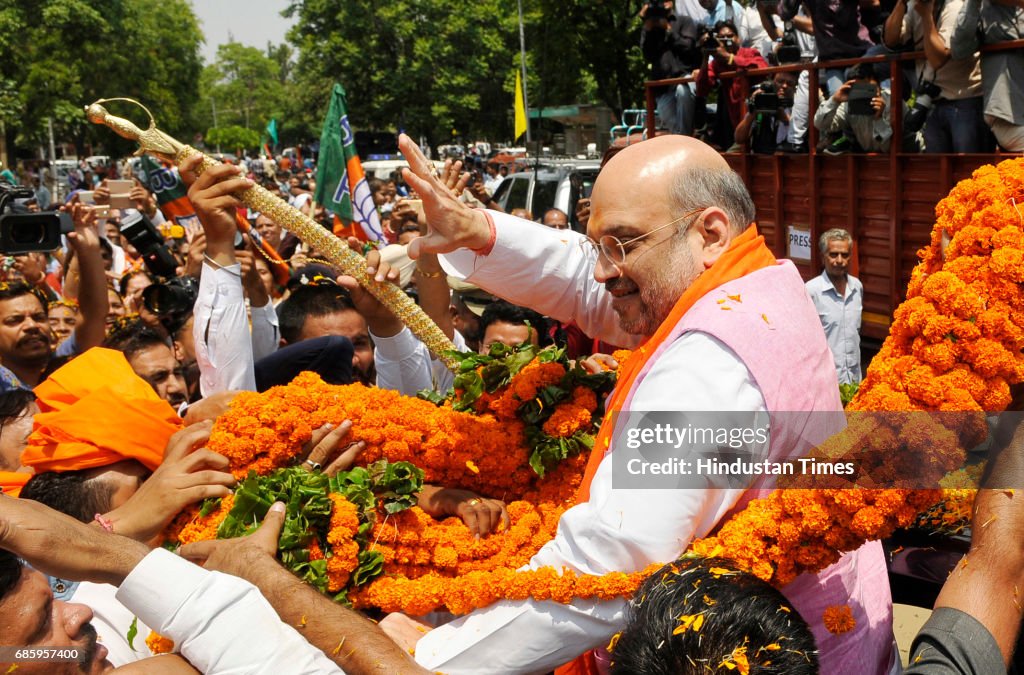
<point>614,249</point>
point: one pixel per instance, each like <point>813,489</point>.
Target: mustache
<point>88,635</point>
<point>619,283</point>
<point>33,335</point>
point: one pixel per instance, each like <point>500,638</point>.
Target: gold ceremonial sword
<point>257,198</point>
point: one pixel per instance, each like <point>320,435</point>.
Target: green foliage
<point>60,55</point>
<point>847,392</point>
<point>435,67</point>
<point>246,87</point>
<point>232,138</point>
<point>133,632</point>
<point>478,374</point>
<point>394,486</point>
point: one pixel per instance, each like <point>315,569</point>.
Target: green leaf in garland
<point>133,632</point>
<point>209,506</point>
<point>371,566</point>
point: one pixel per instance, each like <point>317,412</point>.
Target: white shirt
<point>112,620</point>
<point>614,530</point>
<point>220,623</point>
<point>407,366</point>
<point>840,317</point>
<point>220,328</point>
<point>266,333</point>
<point>402,362</point>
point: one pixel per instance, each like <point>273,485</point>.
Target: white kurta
<point>220,623</point>
<point>616,530</point>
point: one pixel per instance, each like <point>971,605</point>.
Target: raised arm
<point>515,259</point>
<point>92,279</point>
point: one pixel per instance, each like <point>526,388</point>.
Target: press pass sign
<point>798,243</point>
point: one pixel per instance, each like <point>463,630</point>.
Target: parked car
<point>382,168</point>
<point>552,184</point>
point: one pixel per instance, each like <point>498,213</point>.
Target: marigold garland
<point>955,345</point>
<point>261,432</point>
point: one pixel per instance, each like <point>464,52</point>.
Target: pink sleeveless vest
<point>773,327</point>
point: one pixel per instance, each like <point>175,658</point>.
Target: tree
<point>426,67</point>
<point>244,87</point>
<point>431,66</point>
<point>60,55</point>
<point>232,138</point>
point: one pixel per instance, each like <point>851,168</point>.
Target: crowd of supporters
<point>956,96</point>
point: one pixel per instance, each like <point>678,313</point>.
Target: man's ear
<point>179,351</point>
<point>716,231</point>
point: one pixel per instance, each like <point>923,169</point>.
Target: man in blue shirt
<point>839,298</point>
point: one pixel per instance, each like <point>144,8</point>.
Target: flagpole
<point>522,53</point>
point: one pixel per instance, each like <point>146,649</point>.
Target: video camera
<point>143,235</point>
<point>766,100</point>
<point>788,50</point>
<point>172,301</point>
<point>23,232</point>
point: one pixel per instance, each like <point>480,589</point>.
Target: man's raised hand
<point>213,196</point>
<point>451,224</point>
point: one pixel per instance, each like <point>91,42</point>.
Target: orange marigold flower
<point>838,619</point>
<point>158,644</point>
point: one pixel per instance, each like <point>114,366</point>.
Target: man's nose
<point>75,615</point>
<point>605,270</point>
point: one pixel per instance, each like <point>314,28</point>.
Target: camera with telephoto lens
<point>24,232</point>
<point>143,235</point>
<point>924,100</point>
<point>172,301</point>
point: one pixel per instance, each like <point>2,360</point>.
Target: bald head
<point>688,173</point>
<point>667,154</point>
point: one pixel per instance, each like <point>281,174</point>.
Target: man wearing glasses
<point>672,264</point>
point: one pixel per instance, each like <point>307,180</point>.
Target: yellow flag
<point>520,107</point>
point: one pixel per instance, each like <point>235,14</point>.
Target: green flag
<point>340,183</point>
<point>272,130</point>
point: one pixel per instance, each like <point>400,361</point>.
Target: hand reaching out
<point>451,224</point>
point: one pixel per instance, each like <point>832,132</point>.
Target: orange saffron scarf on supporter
<point>95,411</point>
<point>747,253</point>
<point>11,482</point>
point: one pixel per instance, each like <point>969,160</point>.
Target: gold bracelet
<point>429,275</point>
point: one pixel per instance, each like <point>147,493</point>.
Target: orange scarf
<point>11,482</point>
<point>96,411</point>
<point>746,254</point>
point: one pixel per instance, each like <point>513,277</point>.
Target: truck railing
<point>894,59</point>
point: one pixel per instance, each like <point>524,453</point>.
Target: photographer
<point>769,111</point>
<point>948,101</point>
<point>669,45</point>
<point>721,54</point>
<point>839,32</point>
<point>858,109</point>
<point>991,22</point>
<point>26,343</point>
